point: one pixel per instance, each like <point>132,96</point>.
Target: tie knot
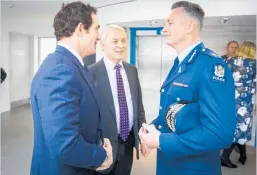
<point>117,67</point>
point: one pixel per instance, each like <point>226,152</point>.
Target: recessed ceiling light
<point>224,20</point>
<point>10,5</point>
<point>152,23</point>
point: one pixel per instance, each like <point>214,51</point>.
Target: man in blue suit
<point>68,131</point>
<point>197,108</point>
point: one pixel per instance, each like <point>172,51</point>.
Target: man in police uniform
<point>197,107</point>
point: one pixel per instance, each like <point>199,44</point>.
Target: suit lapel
<point>177,72</point>
<point>132,87</point>
<point>83,70</point>
<point>182,68</point>
<point>105,87</point>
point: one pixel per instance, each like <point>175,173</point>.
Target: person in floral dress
<point>243,68</point>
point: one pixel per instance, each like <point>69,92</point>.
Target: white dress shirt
<point>72,51</point>
<point>113,82</point>
<point>183,54</point>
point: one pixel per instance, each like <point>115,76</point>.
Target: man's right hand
<point>109,159</point>
<point>145,150</point>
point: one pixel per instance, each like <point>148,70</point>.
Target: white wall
<point>217,37</point>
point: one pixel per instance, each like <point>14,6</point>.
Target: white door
<point>20,67</point>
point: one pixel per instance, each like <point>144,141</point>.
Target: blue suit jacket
<point>67,123</point>
<point>204,126</point>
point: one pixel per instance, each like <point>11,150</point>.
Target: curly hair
<point>70,15</point>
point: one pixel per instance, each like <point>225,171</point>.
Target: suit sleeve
<point>58,102</point>
<point>140,104</point>
<point>217,117</point>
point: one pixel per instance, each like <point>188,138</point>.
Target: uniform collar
<point>185,53</point>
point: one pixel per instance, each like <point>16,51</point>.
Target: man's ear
<point>79,30</point>
<point>191,26</point>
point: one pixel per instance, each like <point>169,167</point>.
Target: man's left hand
<point>151,139</point>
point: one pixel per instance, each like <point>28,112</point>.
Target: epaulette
<point>209,52</point>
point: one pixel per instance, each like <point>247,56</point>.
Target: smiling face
<point>89,38</point>
<point>114,43</point>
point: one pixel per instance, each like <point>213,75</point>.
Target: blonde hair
<point>108,27</point>
<point>247,50</point>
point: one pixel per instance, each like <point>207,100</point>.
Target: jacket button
<point>160,127</point>
<point>160,108</point>
<point>162,90</point>
<point>178,99</point>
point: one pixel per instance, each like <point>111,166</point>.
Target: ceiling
<point>246,20</point>
<point>40,7</point>
<point>48,7</point>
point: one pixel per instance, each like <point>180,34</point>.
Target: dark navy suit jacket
<point>67,123</point>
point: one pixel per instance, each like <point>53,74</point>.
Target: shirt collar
<point>72,51</point>
<point>183,54</point>
<point>110,65</point>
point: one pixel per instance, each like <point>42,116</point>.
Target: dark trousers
<point>124,159</point>
<point>227,152</point>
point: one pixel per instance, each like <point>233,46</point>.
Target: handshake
<point>149,137</point>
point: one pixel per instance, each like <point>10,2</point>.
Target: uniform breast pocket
<point>178,93</point>
<point>188,117</point>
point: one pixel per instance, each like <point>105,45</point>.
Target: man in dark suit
<point>121,99</point>
<point>68,131</point>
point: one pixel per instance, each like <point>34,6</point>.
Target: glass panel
<point>149,71</point>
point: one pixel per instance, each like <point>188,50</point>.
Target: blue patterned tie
<point>124,119</point>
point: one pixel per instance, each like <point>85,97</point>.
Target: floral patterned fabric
<point>244,73</point>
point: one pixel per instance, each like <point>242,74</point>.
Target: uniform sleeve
<point>217,118</point>
<point>58,102</point>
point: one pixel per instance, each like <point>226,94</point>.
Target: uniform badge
<point>171,115</point>
<point>219,73</point>
<point>179,70</point>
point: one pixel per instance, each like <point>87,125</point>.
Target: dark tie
<point>124,118</point>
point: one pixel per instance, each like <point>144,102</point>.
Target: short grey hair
<point>192,10</point>
<point>108,27</point>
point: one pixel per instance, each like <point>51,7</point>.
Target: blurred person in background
<point>3,75</point>
<point>232,49</point>
<point>243,67</point>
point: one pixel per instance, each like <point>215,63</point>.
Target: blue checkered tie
<point>124,119</point>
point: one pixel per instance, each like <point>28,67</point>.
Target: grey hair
<point>107,28</point>
<point>192,10</point>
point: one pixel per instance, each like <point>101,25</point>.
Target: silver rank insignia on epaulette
<point>171,115</point>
